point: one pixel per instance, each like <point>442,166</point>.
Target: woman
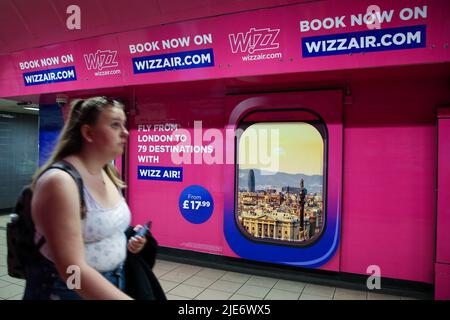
<point>86,243</point>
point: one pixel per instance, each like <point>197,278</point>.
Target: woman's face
<point>109,134</point>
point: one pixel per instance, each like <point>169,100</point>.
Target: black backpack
<point>22,250</point>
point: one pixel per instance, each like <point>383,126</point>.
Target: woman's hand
<point>136,244</point>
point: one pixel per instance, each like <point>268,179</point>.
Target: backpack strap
<point>70,169</point>
<point>73,172</point>
<point>40,243</point>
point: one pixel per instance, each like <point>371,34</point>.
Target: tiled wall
<point>18,154</point>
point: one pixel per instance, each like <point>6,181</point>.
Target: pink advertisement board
<point>308,37</point>
<point>188,175</point>
<point>443,186</point>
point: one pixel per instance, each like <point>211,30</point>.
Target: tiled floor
<point>185,282</point>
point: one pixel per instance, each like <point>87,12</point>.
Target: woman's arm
<point>56,209</point>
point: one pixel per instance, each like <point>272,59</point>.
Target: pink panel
<point>389,177</point>
<point>442,282</point>
<point>443,205</point>
<point>159,200</point>
<point>9,78</point>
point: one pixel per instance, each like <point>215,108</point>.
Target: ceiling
<point>10,106</point>
<point>34,23</point>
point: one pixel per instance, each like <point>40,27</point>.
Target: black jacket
<point>140,281</point>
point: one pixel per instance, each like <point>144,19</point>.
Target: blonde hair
<point>71,140</point>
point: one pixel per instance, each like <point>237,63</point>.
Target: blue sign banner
<point>365,41</point>
<point>160,173</point>
<point>49,76</point>
<point>174,61</point>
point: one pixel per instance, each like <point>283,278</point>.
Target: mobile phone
<point>141,232</point>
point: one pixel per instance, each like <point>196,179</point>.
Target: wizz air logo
<point>254,40</point>
<point>101,59</point>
